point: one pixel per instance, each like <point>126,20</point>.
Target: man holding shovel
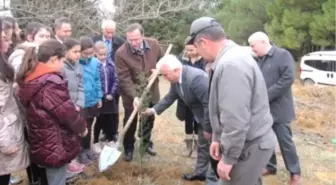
<point>191,86</point>
<point>137,56</point>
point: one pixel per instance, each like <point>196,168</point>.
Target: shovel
<point>110,154</point>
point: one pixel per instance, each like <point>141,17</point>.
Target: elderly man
<point>135,60</point>
<point>278,68</point>
<point>190,85</point>
<point>113,43</point>
<point>110,38</point>
<point>62,29</point>
<point>243,139</point>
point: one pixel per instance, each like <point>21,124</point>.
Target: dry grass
<point>315,109</point>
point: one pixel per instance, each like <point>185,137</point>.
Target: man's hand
<point>136,102</point>
<point>152,75</point>
<point>215,152</point>
<point>224,170</point>
<point>207,136</point>
<point>147,112</point>
<point>11,150</point>
<point>100,104</point>
<point>109,97</point>
<point>84,133</point>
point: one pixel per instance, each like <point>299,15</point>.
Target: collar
<point>144,46</point>
<point>271,51</point>
<point>229,44</point>
<point>180,78</point>
<point>58,39</point>
<point>104,39</point>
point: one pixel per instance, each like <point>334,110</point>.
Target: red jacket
<point>53,122</point>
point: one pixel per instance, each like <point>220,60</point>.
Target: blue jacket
<point>91,80</point>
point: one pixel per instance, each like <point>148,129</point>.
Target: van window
<point>323,65</point>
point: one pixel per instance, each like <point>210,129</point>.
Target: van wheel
<point>308,82</point>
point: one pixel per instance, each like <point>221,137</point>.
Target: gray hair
<point>171,61</point>
<point>108,22</point>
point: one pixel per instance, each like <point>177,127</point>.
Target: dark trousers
<point>145,131</point>
<point>106,123</point>
<point>37,175</point>
<point>87,139</point>
<point>4,179</point>
<point>287,148</point>
<point>191,127</point>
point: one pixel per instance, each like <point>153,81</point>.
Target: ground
<point>313,132</point>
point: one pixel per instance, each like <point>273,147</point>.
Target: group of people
<point>54,87</point>
<point>240,100</point>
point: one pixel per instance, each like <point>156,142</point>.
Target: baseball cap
<point>200,25</point>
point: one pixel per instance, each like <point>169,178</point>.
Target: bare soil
<point>313,131</point>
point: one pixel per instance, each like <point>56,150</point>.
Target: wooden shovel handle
<point>135,110</point>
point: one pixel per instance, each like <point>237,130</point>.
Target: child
<point>109,81</point>
<point>52,120</point>
<point>92,94</point>
<point>72,72</point>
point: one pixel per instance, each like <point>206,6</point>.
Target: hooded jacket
<point>53,122</point>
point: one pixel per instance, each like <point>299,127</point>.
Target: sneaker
<point>75,168</point>
<point>15,180</point>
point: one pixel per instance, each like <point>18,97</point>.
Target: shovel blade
<point>108,157</point>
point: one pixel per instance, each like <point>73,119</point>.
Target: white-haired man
<point>191,86</point>
<point>113,43</point>
<point>242,137</point>
<point>278,68</point>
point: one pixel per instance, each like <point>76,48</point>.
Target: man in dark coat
<point>278,68</point>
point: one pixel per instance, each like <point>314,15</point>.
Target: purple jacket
<point>110,85</point>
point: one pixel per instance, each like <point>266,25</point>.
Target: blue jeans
<point>56,176</point>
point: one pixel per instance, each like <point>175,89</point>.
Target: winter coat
<point>73,73</point>
<point>15,59</point>
<point>11,132</point>
<point>110,86</point>
<point>53,122</point>
<point>91,80</point>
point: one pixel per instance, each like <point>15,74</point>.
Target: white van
<point>318,68</point>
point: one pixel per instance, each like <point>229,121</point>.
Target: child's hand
<point>99,105</point>
<point>84,133</point>
<point>109,97</point>
<point>77,108</point>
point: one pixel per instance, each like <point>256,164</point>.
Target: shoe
<point>15,180</point>
<point>193,177</point>
<point>266,172</point>
<point>128,156</point>
<point>151,151</point>
<point>75,168</point>
<point>295,180</point>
